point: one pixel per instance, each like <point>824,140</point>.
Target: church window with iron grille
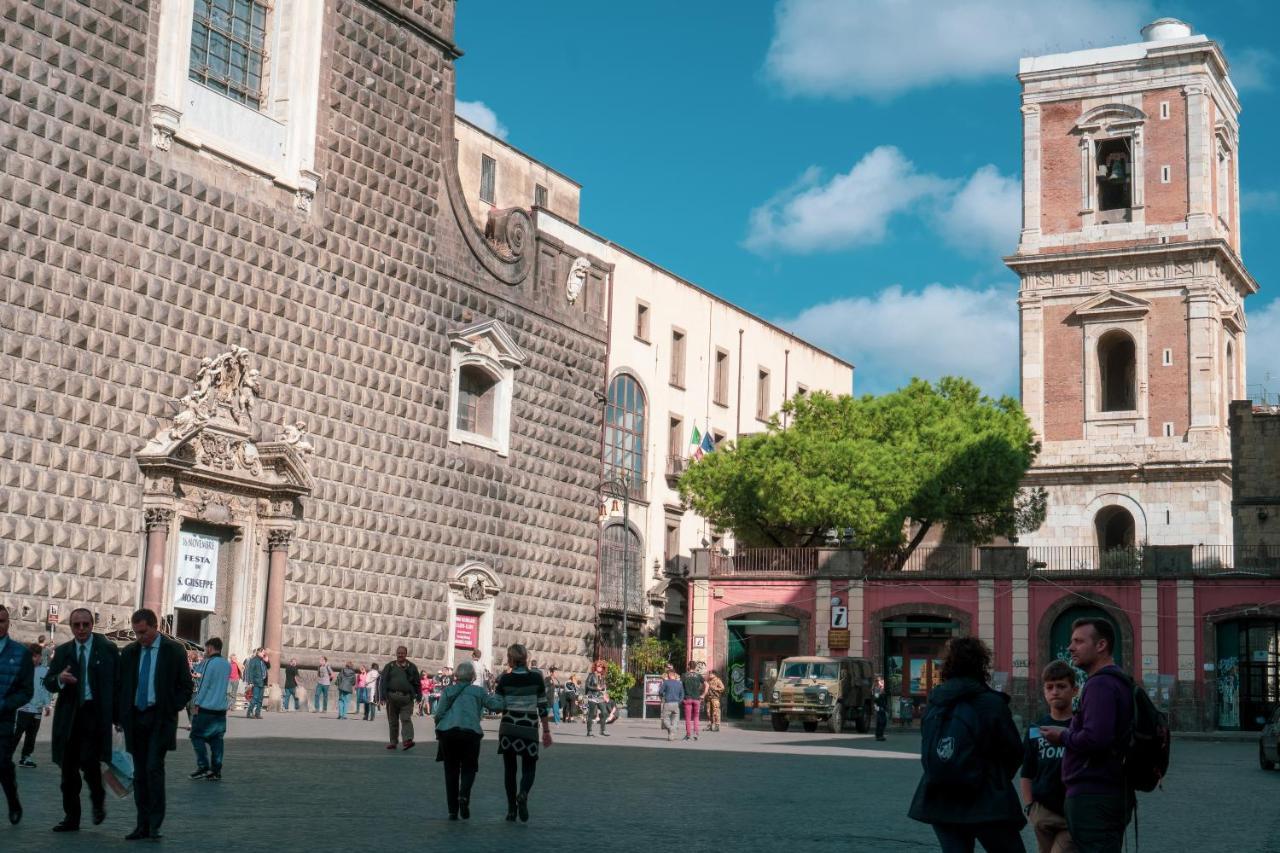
<point>229,48</point>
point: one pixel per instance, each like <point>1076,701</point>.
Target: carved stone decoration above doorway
<point>473,592</point>
<point>209,471</point>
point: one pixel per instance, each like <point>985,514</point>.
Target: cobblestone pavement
<point>306,782</point>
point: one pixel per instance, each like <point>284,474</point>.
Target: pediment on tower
<point>1233,319</point>
<point>1111,304</point>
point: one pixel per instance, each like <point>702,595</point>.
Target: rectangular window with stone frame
<point>476,392</point>
<point>229,48</point>
<point>677,358</point>
<point>488,178</point>
<point>720,390</point>
<point>539,195</point>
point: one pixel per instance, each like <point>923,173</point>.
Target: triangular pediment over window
<point>491,339</point>
<point>1233,319</point>
<point>1112,303</point>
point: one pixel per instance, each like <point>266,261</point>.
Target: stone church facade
<point>260,361</point>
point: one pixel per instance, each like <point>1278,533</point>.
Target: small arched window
<point>1118,372</point>
<point>477,391</point>
<point>624,430</point>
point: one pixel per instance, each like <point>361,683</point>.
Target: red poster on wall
<point>466,630</point>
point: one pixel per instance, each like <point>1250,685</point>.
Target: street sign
<point>839,617</point>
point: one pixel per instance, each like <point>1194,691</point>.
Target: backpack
<point>951,746</point>
<point>1146,760</point>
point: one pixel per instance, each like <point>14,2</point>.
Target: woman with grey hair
<point>458,735</point>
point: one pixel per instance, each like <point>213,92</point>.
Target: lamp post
<point>617,484</point>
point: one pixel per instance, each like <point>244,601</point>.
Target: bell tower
<point>1132,289</point>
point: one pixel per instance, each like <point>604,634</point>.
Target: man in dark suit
<point>17,673</point>
<point>84,674</point>
<point>155,685</point>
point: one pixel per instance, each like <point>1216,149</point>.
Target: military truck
<point>814,690</point>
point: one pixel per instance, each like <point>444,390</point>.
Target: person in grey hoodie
<point>345,681</point>
<point>975,729</point>
<point>458,735</point>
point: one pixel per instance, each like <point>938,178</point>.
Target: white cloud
<point>1262,352</point>
<point>985,216</point>
<point>980,215</point>
<point>851,209</point>
<point>938,331</point>
<point>1252,68</point>
<point>1256,201</point>
<point>881,48</point>
<point>479,114</point>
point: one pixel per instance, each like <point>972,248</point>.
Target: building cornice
<point>1217,247</point>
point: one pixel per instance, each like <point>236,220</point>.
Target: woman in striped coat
<point>524,695</point>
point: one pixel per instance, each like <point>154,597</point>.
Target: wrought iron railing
<point>677,465</point>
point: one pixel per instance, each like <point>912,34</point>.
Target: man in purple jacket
<point>1099,803</point>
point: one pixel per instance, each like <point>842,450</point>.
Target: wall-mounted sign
<point>699,642</point>
<point>839,617</point>
<point>195,579</point>
<point>838,638</point>
<point>52,617</point>
<point>466,630</point>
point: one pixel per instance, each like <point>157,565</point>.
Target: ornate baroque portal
<point>220,507</point>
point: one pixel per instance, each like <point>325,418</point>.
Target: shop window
<point>1117,371</point>
<point>1114,165</point>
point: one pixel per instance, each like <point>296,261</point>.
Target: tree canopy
<point>927,454</point>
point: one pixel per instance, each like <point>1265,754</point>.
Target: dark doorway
<point>1115,528</point>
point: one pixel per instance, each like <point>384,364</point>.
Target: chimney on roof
<point>1166,28</point>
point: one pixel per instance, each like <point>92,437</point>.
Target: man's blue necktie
<point>144,680</point>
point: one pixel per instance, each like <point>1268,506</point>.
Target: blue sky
<point>847,168</point>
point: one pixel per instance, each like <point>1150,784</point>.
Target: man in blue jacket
<point>209,723</point>
<point>255,675</point>
<point>1098,803</point>
<point>17,682</point>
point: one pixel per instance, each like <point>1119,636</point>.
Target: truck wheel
<point>810,725</point>
<point>863,723</point>
<point>1262,759</point>
<point>836,722</point>
<point>780,722</point>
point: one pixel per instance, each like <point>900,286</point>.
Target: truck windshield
<point>811,670</point>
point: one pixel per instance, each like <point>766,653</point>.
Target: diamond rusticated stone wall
<point>122,266</point>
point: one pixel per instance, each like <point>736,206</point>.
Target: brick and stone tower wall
<point>1132,289</point>
<point>148,223</point>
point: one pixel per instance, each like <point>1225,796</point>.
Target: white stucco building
<point>680,359</point>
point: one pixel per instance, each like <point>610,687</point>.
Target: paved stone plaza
<point>300,782</point>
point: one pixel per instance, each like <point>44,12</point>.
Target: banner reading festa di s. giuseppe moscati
<point>196,578</point>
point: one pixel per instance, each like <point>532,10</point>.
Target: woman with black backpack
<point>970,750</point>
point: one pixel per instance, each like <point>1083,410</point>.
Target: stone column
<point>278,549</point>
<point>987,613</point>
<point>822,617</point>
<point>158,521</point>
<point>1199,161</point>
<point>1149,665</point>
<point>857,622</point>
<point>1202,323</point>
<point>1031,354</point>
<point>1030,177</point>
